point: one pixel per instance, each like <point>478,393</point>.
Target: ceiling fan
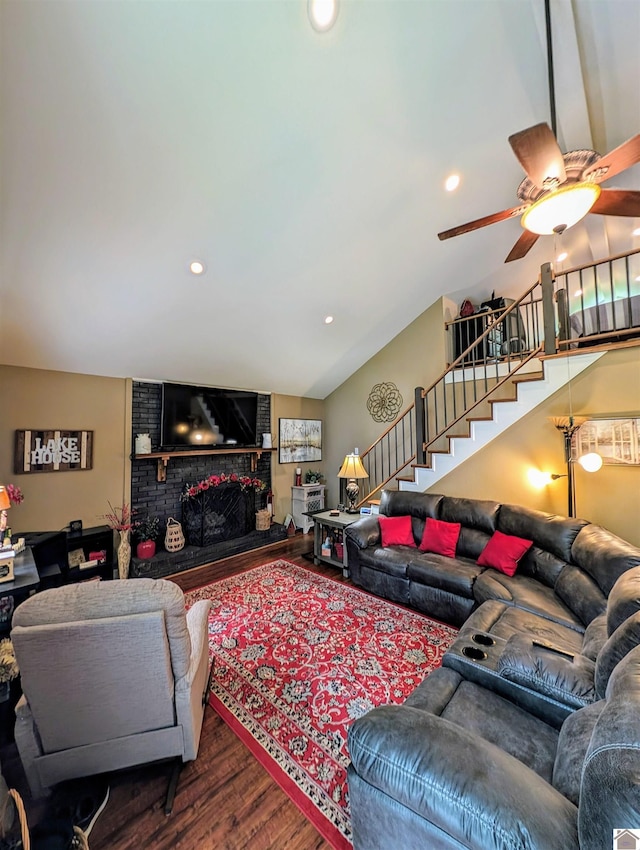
<point>560,189</point>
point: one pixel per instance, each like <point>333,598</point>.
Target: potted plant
<point>146,532</point>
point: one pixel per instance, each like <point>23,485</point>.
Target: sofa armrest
<point>364,532</point>
<point>467,787</point>
<point>566,677</point>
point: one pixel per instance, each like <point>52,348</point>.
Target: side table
<point>331,528</point>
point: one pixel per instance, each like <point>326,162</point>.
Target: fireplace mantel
<point>163,458</point>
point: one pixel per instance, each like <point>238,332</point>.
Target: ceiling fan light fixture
<point>560,209</point>
<point>322,14</point>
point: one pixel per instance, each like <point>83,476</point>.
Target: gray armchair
<point>114,674</point>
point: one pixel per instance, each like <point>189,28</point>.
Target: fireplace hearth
<point>169,563</point>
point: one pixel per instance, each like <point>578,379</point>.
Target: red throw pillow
<point>440,537</point>
<point>396,531</point>
<point>503,551</point>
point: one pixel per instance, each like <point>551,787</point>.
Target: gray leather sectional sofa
<point>529,734</point>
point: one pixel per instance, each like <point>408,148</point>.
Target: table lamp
<point>352,469</point>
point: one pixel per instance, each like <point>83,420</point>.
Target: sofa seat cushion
<point>499,721</point>
<point>455,575</point>
<point>483,714</point>
<point>392,560</point>
<point>502,620</point>
<point>526,593</point>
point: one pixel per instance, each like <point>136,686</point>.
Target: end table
<point>328,538</point>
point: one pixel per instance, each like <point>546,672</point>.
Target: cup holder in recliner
<point>474,652</point>
<point>483,640</point>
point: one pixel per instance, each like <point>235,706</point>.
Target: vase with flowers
<point>120,519</point>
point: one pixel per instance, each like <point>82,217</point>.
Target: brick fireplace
<point>163,498</point>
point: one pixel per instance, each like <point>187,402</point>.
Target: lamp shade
<point>5,502</point>
<point>352,468</point>
<point>560,209</point>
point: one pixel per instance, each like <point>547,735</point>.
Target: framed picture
<point>300,440</point>
<point>616,440</point>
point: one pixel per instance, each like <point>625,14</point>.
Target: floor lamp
<point>591,462</point>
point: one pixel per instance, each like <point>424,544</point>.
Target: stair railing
<point>474,375</point>
<point>511,338</point>
<point>608,310</point>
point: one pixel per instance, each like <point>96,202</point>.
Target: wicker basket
<point>174,538</point>
<point>263,520</point>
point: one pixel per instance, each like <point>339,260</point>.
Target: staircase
<point>525,354</point>
<point>530,390</point>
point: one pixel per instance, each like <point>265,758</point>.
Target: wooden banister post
<point>419,408</point>
<point>548,311</point>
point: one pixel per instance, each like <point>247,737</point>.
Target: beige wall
<point>413,358</point>
<point>282,474</point>
<point>40,399</point>
<point>610,497</point>
<point>35,398</point>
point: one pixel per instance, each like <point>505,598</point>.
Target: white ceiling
<point>306,170</point>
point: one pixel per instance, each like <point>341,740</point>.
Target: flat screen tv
<point>207,416</point>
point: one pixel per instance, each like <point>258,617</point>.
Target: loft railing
<point>595,304</point>
<point>599,303</point>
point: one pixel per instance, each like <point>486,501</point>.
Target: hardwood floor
<point>226,800</point>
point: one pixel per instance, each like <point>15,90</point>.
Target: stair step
<point>528,376</point>
<point>501,400</point>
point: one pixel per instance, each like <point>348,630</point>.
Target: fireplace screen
<point>220,513</point>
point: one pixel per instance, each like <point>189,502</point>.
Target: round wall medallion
<point>384,402</point>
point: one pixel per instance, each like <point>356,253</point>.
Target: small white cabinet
<point>306,497</point>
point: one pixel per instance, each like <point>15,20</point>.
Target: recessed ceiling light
<point>328,320</point>
<point>322,14</point>
<point>562,257</point>
<point>196,267</point>
<point>578,293</point>
<point>636,232</point>
<point>452,182</point>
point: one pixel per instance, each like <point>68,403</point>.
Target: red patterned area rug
<point>296,658</point>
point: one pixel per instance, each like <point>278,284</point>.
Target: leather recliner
<point>458,766</point>
<point>547,668</point>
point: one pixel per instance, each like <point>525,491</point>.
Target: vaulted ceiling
<point>305,170</point>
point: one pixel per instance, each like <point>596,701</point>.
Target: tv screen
<point>206,416</point>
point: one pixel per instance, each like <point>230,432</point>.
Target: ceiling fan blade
<point>617,202</point>
<point>482,222</point>
<point>617,160</point>
<point>538,153</point>
<point>523,245</point>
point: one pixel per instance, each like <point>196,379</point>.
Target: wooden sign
<point>53,451</point>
